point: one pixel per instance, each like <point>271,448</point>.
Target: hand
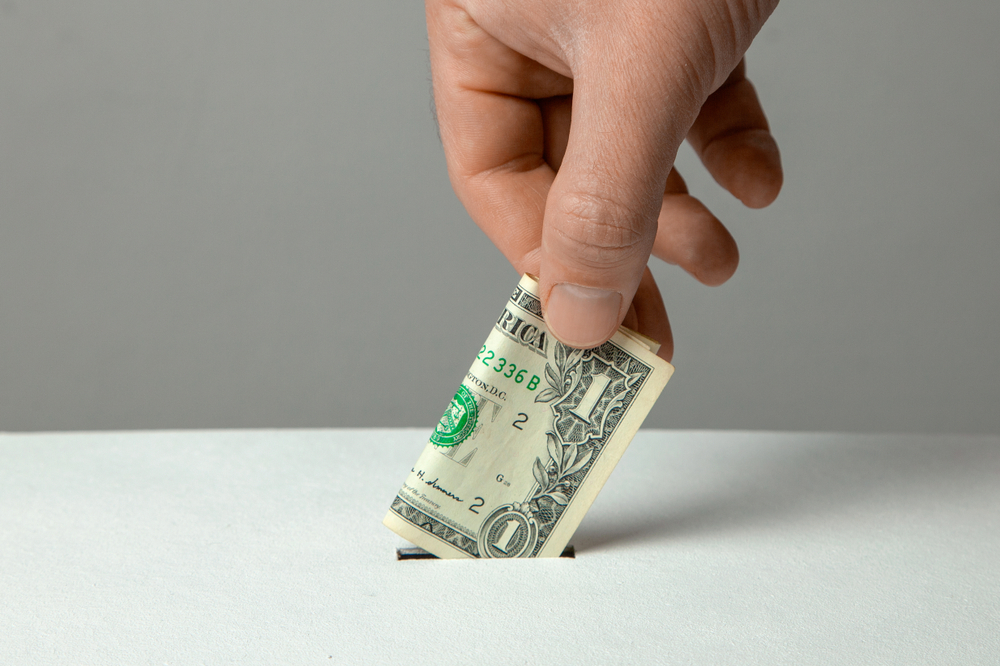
<point>561,120</point>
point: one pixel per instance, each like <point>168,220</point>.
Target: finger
<point>734,142</point>
<point>492,131</point>
<point>601,214</point>
<point>648,316</point>
<point>690,236</point>
<point>556,116</point>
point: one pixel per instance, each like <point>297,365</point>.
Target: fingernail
<point>582,317</point>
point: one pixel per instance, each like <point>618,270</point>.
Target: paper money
<point>529,439</point>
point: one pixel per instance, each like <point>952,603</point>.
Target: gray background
<point>236,214</point>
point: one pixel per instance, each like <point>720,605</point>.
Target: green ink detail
<point>459,420</point>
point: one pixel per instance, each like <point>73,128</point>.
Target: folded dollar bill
<point>528,440</point>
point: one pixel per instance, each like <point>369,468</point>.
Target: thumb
<point>601,212</point>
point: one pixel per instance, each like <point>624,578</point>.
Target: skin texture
<point>561,120</point>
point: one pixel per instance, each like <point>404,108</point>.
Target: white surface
<point>265,547</point>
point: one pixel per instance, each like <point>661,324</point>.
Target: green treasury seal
<point>459,419</point>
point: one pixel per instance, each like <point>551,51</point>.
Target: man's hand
<point>561,120</point>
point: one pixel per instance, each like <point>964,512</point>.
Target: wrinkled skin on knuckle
<point>601,233</point>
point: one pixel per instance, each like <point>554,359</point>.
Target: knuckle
<point>601,232</point>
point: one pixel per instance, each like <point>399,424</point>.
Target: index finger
<point>492,130</point>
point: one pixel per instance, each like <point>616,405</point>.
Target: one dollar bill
<point>529,439</point>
